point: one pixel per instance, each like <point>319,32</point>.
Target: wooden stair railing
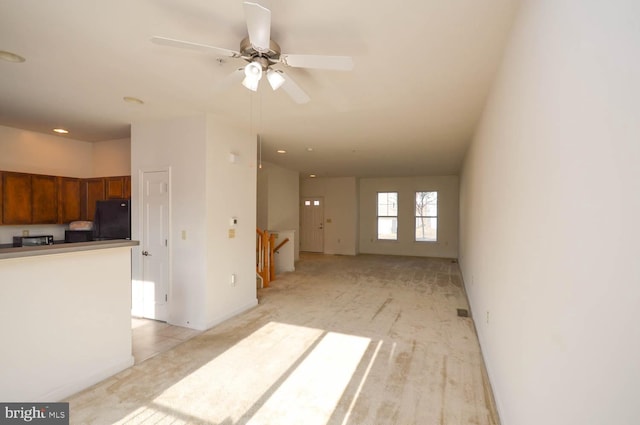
<point>265,264</point>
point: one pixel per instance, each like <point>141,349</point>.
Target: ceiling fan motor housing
<point>265,58</point>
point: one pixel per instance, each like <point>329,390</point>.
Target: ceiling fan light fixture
<point>250,83</point>
<point>253,74</point>
<point>276,80</point>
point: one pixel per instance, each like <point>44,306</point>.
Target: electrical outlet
<point>233,279</point>
<point>184,235</point>
<point>487,317</point>
<point>25,233</point>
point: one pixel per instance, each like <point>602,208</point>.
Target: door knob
<point>146,253</point>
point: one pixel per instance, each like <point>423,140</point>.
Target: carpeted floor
<point>342,340</point>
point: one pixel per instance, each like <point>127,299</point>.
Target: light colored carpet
<point>343,340</point>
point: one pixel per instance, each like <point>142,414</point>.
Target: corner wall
<point>206,191</point>
<point>230,193</point>
<point>177,145</point>
<point>279,201</point>
<point>549,217</point>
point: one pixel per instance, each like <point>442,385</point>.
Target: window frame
<point>416,216</point>
<point>378,216</point>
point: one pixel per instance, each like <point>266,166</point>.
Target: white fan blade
<point>337,63</point>
<point>293,90</point>
<point>230,80</point>
<point>258,25</point>
<point>164,41</point>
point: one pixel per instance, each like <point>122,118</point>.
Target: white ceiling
<point>423,69</point>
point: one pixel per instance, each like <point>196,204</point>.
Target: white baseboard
<point>79,383</point>
<point>227,316</point>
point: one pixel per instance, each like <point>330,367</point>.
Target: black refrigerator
<point>112,220</point>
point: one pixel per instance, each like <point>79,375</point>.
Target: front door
<point>155,244</point>
<point>312,225</point>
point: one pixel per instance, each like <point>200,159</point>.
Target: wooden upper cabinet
<point>40,199</point>
<point>127,187</point>
<point>44,199</point>
<point>1,198</point>
<point>115,187</point>
<point>69,200</point>
<point>16,198</point>
<point>93,190</point>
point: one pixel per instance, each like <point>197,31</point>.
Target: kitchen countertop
<point>9,251</point>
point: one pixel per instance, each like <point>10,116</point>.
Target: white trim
<point>84,382</point>
<point>227,316</point>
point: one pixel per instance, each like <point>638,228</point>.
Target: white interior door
<point>312,225</point>
<point>155,244</point>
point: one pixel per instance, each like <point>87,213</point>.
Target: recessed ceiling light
<point>313,176</point>
<point>11,57</point>
<point>61,131</point>
<point>135,100</point>
<point>281,151</point>
<point>309,149</point>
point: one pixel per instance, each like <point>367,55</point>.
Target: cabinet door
<point>127,187</point>
<point>1,222</point>
<point>114,187</point>
<point>93,191</point>
<point>44,199</point>
<point>69,200</point>
<point>16,198</point>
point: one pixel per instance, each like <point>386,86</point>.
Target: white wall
<point>279,201</point>
<point>340,211</point>
<point>231,193</point>
<point>206,191</point>
<point>262,196</point>
<point>179,146</point>
<point>549,217</point>
<point>112,158</point>
<point>30,152</point>
<point>447,188</point>
<point>64,321</point>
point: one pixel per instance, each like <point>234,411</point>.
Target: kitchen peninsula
<point>64,317</point>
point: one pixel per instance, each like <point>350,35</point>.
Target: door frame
<point>140,219</point>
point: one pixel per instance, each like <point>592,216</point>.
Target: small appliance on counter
<point>78,236</point>
<point>79,231</point>
<point>32,240</point>
<point>112,220</point>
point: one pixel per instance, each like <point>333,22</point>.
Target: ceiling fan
<point>262,54</point>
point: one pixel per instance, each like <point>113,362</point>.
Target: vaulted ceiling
<point>423,70</point>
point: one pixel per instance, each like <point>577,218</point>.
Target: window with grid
<point>388,215</point>
<point>426,216</point>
